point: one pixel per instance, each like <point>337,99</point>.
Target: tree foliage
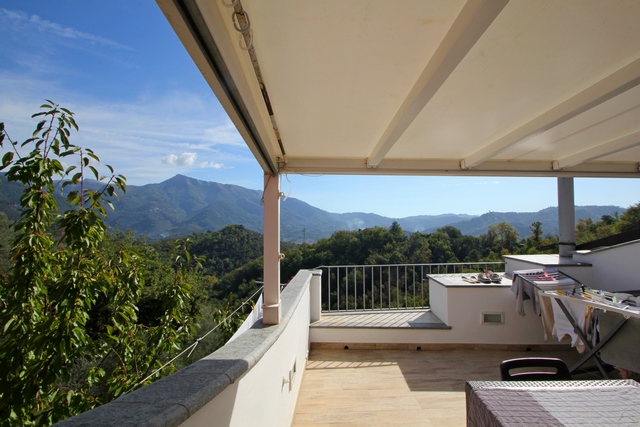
<point>588,230</point>
<point>629,220</point>
<point>71,333</point>
<point>226,249</point>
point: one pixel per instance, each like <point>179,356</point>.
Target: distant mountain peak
<point>182,205</point>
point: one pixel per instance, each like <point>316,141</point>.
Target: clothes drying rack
<point>562,287</point>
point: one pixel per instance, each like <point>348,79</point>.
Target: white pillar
<point>566,217</point>
<point>271,250</point>
<point>315,292</point>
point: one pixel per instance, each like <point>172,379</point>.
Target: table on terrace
<point>553,403</point>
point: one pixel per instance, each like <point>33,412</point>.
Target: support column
<point>271,250</point>
<point>566,217</point>
<point>315,293</point>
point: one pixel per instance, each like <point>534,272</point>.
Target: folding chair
<point>560,372</point>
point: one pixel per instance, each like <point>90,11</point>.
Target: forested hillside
<point>393,245</point>
<point>230,258</point>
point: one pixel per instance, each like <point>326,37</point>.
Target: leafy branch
<point>57,359</point>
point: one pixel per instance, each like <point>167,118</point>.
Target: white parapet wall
<point>580,270</point>
<point>612,268</point>
<point>483,313</point>
<point>254,380</point>
<point>473,315</point>
<point>615,268</point>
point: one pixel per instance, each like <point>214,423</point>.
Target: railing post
<point>315,291</point>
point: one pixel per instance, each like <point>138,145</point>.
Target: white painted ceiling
<point>425,87</point>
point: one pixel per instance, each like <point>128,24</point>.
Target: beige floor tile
<point>345,388</point>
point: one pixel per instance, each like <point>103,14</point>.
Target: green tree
<point>226,249</point>
<point>585,231</point>
<point>6,235</point>
<point>57,360</point>
<point>505,238</point>
<point>466,248</point>
<point>629,220</point>
<point>418,249</point>
<point>440,244</point>
<point>536,232</point>
<point>533,242</point>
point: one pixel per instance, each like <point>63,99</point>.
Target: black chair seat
<point>559,371</point>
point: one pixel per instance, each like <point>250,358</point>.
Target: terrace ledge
<point>172,400</point>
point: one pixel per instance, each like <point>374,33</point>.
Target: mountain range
<point>181,206</point>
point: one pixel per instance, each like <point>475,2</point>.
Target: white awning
<point>425,87</point>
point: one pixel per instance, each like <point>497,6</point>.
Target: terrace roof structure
<point>422,87</point>
<point>425,87</point>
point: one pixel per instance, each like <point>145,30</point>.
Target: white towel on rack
<point>524,290</point>
<point>562,327</point>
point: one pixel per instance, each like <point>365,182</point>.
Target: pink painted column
<point>271,250</point>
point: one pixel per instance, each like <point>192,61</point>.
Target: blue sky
<point>144,108</point>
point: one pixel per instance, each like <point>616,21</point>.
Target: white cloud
<point>146,134</point>
<point>211,165</point>
<point>184,159</point>
<point>136,137</point>
<point>223,134</point>
<point>22,22</point>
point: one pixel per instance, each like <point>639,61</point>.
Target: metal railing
<point>387,287</point>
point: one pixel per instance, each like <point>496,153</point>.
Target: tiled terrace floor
<point>420,319</point>
<point>398,387</point>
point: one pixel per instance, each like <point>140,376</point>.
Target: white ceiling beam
<point>472,21</point>
<point>449,167</point>
<point>614,146</point>
<point>611,86</point>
